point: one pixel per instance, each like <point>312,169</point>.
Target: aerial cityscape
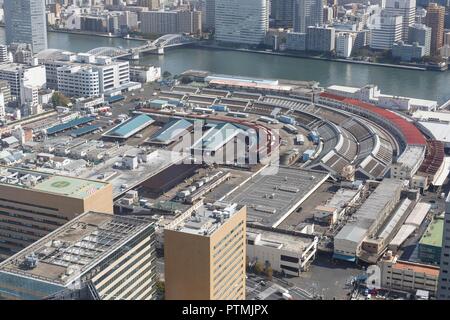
<point>224,150</point>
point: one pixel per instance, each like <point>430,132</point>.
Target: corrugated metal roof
<point>69,125</point>
<point>172,130</point>
<point>131,126</point>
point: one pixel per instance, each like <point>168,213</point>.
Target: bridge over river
<point>155,47</point>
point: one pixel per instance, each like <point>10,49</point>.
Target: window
<point>289,268</point>
<point>289,259</point>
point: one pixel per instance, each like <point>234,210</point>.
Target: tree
<point>258,267</point>
<point>59,99</point>
<point>161,287</point>
<point>166,74</point>
<point>269,272</point>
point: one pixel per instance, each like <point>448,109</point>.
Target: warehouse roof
<point>69,125</point>
<point>172,130</point>
<point>129,127</point>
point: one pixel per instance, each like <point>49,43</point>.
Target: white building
<point>85,74</point>
<point>408,276</point>
<point>145,74</point>
<point>78,81</point>
<point>371,94</point>
<point>344,44</point>
<point>368,219</point>
<point>286,253</point>
<point>19,76</point>
<point>385,31</point>
<point>4,54</point>
<point>244,22</point>
<point>404,8</point>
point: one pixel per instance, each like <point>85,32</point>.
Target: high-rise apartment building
<point>175,21</point>
<point>404,8</point>
<point>443,292</point>
<point>421,34</point>
<point>205,255</point>
<point>25,22</point>
<point>96,256</point>
<point>244,22</point>
<point>282,13</point>
<point>19,76</point>
<point>307,13</point>
<point>33,204</point>
<point>344,44</point>
<point>435,20</point>
<point>320,39</point>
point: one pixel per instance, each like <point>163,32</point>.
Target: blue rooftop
<point>172,130</point>
<point>129,127</point>
<point>85,130</point>
<point>217,137</point>
<point>69,125</point>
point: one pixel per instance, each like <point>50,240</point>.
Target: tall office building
<point>210,14</point>
<point>96,256</point>
<point>205,255</point>
<point>33,204</point>
<point>421,34</point>
<point>244,22</point>
<point>386,31</point>
<point>435,20</point>
<point>443,292</point>
<point>282,12</point>
<point>404,8</point>
<point>307,13</point>
<point>26,23</point>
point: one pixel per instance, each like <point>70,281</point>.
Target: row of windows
<point>225,269</point>
<point>282,266</point>
<point>32,218</point>
<point>125,288</point>
<point>289,259</point>
<point>233,278</point>
<point>217,246</point>
<point>147,262</point>
<point>235,245</point>
<point>122,251</point>
<point>225,241</point>
<point>151,284</point>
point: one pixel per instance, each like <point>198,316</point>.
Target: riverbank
<point>302,56</point>
<point>96,34</point>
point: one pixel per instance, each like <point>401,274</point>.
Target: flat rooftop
<point>278,240</point>
<point>416,267</point>
<point>48,183</point>
<point>208,218</point>
<point>157,161</point>
<point>74,248</point>
<point>433,235</point>
<point>271,197</point>
<point>411,156</point>
<point>440,130</point>
<point>432,116</point>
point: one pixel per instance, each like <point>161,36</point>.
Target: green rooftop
<point>71,187</point>
<point>434,233</point>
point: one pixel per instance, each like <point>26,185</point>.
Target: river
<point>418,84</point>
